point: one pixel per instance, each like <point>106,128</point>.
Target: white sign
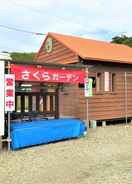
<point>88,87</point>
<point>9,92</point>
<point>2,92</point>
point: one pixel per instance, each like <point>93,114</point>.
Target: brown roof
<point>89,49</point>
<point>95,50</point>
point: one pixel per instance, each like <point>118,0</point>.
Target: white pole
<point>9,120</point>
<point>87,113</point>
<point>2,102</point>
<point>87,106</point>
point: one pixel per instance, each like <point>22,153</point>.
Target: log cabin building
<point>110,67</point>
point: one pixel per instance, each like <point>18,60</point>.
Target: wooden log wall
<point>103,105</point>
<point>59,55</point>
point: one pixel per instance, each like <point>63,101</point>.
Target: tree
<point>23,56</point>
<point>123,39</point>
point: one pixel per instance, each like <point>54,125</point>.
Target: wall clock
<point>49,45</point>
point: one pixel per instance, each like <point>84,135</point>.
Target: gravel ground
<point>104,156</point>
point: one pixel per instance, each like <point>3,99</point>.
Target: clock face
<point>48,45</point>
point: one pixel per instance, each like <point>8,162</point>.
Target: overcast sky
<point>96,19</point>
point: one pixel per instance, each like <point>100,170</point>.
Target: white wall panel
<point>2,95</point>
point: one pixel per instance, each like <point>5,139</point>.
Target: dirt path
<point>104,156</point>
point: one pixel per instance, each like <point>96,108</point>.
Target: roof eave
<point>106,60</point>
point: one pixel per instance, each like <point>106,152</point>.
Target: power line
<point>21,30</point>
<point>60,20</point>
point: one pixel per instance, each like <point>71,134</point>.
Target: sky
<point>95,19</point>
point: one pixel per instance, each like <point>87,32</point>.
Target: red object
<point>9,104</point>
<point>42,74</point>
<point>9,92</point>
<point>9,82</point>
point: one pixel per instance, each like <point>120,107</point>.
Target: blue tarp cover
<point>37,132</point>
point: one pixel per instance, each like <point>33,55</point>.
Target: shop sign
<point>9,92</point>
<point>43,74</point>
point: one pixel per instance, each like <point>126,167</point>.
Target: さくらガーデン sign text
<point>43,74</point>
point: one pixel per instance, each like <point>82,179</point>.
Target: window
<point>26,99</point>
<point>99,82</point>
<point>106,81</point>
<point>94,81</point>
<point>18,103</point>
<point>113,77</point>
<point>34,103</point>
<point>81,85</point>
<point>41,103</point>
<point>109,81</point>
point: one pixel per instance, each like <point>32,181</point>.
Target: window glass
<point>113,82</point>
<point>48,103</point>
<point>81,85</point>
<point>99,82</point>
<point>18,104</point>
<point>34,103</point>
<point>53,103</point>
<point>41,103</point>
<point>26,98</point>
<point>106,81</point>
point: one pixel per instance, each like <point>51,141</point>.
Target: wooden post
<point>103,123</point>
<point>93,124</point>
<point>57,103</point>
<point>0,143</point>
<point>126,100</point>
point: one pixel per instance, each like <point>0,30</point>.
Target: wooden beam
<point>49,65</point>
